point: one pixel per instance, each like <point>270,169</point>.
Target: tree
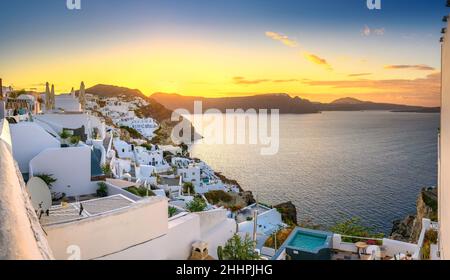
<point>238,249</point>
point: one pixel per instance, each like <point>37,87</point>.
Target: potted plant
<point>65,135</point>
<point>102,190</point>
<point>74,140</point>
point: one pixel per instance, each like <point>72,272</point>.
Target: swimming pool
<point>306,244</point>
<point>307,241</point>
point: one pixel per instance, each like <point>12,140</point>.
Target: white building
<point>268,220</point>
<point>444,154</point>
<point>146,127</point>
<point>141,155</point>
<point>94,128</point>
<point>119,226</point>
<point>67,103</point>
<point>199,174</point>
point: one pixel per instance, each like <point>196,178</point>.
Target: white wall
<point>175,245</point>
<point>70,166</point>
<point>21,236</point>
<point>216,229</point>
<point>444,178</point>
<point>113,233</point>
<point>182,233</point>
<point>72,121</point>
<point>68,103</point>
<point>268,221</point>
<point>5,133</point>
<point>29,139</point>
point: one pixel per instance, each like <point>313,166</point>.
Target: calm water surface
<point>339,165</point>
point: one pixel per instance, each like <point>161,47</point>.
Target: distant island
<point>285,103</point>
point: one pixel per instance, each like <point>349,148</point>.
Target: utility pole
<point>2,103</point>
<point>1,89</point>
<point>255,220</point>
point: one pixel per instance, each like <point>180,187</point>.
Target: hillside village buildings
<point>73,146</point>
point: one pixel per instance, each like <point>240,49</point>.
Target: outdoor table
<point>361,246</point>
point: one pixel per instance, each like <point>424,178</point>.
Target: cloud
<point>367,31</point>
<point>282,38</point>
<point>285,81</point>
<point>317,60</point>
<point>420,67</point>
<point>243,81</point>
<point>413,87</point>
<point>359,74</point>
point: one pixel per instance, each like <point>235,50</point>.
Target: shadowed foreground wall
<point>21,236</point>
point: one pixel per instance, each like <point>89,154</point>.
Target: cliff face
<point>409,229</point>
<point>288,212</point>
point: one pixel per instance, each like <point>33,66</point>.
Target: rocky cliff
<point>288,212</point>
<point>409,229</point>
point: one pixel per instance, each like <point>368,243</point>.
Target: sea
<point>335,166</point>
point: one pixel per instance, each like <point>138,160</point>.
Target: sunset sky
<point>321,50</point>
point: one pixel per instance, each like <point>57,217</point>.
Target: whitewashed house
<point>141,155</point>
<point>199,174</point>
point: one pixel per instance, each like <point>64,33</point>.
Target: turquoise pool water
<point>307,242</point>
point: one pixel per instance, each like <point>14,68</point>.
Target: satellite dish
<point>41,198</point>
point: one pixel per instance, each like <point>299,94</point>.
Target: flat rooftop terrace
<point>71,212</point>
<point>247,212</point>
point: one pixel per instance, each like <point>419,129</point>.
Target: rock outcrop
<point>408,229</point>
<point>288,212</point>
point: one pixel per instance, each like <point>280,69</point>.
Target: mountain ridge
<point>165,103</point>
<point>284,102</point>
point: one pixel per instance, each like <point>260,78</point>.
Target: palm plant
<point>102,190</point>
<point>47,178</point>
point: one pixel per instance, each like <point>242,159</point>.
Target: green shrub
<point>106,169</point>
<point>215,197</point>
<point>188,188</point>
<point>281,236</point>
<point>65,134</point>
<point>102,190</point>
<point>141,191</point>
<point>238,249</point>
<point>172,211</point>
<point>196,205</point>
<point>353,227</point>
<point>74,140</point>
<point>133,132</point>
